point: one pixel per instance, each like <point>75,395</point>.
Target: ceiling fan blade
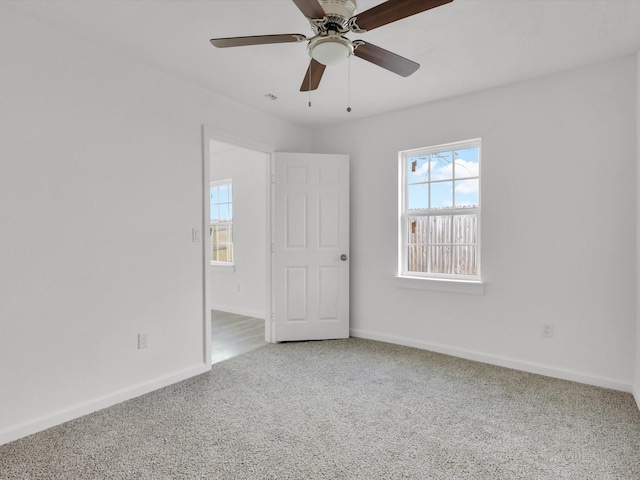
<point>392,11</point>
<point>314,75</point>
<point>310,8</point>
<point>386,59</point>
<point>257,40</point>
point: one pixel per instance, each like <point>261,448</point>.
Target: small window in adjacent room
<point>221,198</point>
<point>440,212</point>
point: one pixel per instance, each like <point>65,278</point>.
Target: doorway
<point>236,240</point>
<point>306,200</point>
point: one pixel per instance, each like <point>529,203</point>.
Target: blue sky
<point>441,170</point>
<point>220,198</point>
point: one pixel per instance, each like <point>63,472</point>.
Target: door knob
<point>343,257</point>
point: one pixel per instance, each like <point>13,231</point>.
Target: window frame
<point>221,263</point>
<point>444,281</point>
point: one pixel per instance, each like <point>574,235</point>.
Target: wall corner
<point>636,386</point>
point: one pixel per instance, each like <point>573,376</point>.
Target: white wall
<point>242,289</point>
<point>101,184</point>
<point>558,225</point>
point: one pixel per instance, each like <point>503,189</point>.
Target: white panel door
<point>310,265</point>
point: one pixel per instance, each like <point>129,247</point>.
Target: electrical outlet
<point>547,330</point>
<point>238,287</point>
<point>143,340</point>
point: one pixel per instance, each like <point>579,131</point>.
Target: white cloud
<point>444,170</point>
<point>464,168</point>
<point>467,169</point>
<point>441,171</point>
<point>467,187</point>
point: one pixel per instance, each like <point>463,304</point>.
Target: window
<point>221,229</point>
<point>440,211</point>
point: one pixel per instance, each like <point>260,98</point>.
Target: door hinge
<point>273,248</point>
<point>273,179</point>
<point>273,317</point>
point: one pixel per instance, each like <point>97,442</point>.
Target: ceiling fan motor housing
<point>339,11</point>
<point>344,8</point>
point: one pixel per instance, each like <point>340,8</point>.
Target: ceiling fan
<point>330,20</point>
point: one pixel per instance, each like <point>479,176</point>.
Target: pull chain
<point>349,87</point>
<point>310,67</point>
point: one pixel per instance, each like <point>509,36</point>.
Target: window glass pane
<point>220,233</point>
<point>440,259</point>
<point>465,229</point>
<point>440,229</point>
<point>417,258</point>
<point>417,169</point>
<point>223,193</point>
<point>442,195</point>
<point>224,212</point>
<point>467,193</point>
<point>418,196</point>
<point>417,248</point>
<point>223,253</point>
<point>465,260</point>
<point>441,166</point>
<point>467,163</point>
<point>417,229</point>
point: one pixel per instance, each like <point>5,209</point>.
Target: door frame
<point>208,134</point>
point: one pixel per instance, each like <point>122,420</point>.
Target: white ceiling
<point>464,46</point>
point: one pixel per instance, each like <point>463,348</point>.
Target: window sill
<point>471,287</point>
<point>222,267</point>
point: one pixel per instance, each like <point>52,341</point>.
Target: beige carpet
<point>346,409</point>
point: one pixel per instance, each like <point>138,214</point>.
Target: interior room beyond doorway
<point>238,282</point>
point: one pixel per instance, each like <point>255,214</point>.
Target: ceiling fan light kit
<point>330,20</point>
<point>330,49</point>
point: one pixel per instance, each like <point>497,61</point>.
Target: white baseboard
<point>636,395</point>
<point>56,418</point>
<point>530,367</point>
<point>240,311</point>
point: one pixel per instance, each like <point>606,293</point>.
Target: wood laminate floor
<point>233,334</point>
